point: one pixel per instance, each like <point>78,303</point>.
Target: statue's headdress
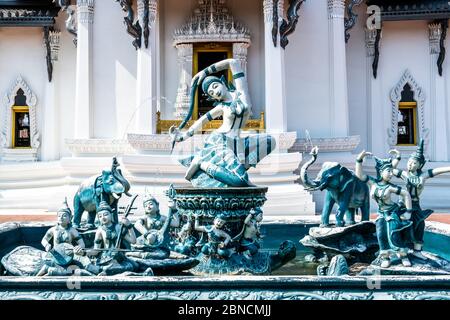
<point>256,211</point>
<point>211,79</point>
<point>149,197</point>
<point>104,206</point>
<point>382,164</point>
<point>419,154</point>
<point>206,83</point>
<point>65,208</point>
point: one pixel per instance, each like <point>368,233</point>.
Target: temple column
<point>145,118</point>
<point>339,123</point>
<point>185,56</point>
<point>50,129</point>
<point>276,113</point>
<point>83,99</point>
<point>377,139</point>
<point>439,150</point>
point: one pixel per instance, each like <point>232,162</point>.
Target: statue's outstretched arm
<point>209,116</point>
<point>198,227</point>
<point>238,74</point>
<point>435,172</point>
<point>396,158</point>
<point>359,172</point>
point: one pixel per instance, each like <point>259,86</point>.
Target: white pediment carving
<point>211,22</point>
<point>396,97</point>
<point>8,102</point>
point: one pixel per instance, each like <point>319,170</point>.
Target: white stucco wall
<point>357,79</point>
<point>22,52</point>
<point>174,14</point>
<point>307,72</point>
<point>114,72</point>
<point>64,74</point>
<point>404,45</point>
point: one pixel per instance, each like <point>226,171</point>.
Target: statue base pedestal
<point>233,205</point>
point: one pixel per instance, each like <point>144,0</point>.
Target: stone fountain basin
<point>283,286</point>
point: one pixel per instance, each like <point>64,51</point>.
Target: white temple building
<point>83,81</point>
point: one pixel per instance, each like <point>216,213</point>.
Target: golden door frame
<point>413,106</point>
<point>15,110</point>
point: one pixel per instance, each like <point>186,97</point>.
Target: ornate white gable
<point>211,22</point>
<point>8,102</point>
<point>396,97</point>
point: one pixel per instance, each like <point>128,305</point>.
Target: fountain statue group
<point>213,228</point>
<point>400,225</point>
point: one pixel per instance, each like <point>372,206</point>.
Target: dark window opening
<point>407,122</point>
<point>205,59</point>
<point>22,138</point>
<point>20,99</point>
<point>407,94</point>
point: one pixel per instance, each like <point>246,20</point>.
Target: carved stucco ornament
<point>8,102</point>
<point>396,97</point>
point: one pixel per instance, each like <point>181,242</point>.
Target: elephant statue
<point>342,187</point>
<point>109,187</point>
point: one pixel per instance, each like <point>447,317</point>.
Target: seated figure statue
<point>225,157</point>
<point>65,248</point>
<point>218,239</point>
<point>154,229</point>
<point>108,239</point>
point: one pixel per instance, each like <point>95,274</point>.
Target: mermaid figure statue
<point>226,156</point>
<point>415,180</point>
<point>393,222</point>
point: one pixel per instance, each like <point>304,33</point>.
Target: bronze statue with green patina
<point>65,248</point>
<point>342,188</point>
<point>415,178</point>
<point>393,222</point>
<point>226,156</point>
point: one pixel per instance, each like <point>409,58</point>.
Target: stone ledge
<point>19,155</point>
<point>339,144</point>
<point>98,147</point>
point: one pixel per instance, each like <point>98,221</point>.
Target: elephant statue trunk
<point>310,185</point>
<point>117,174</point>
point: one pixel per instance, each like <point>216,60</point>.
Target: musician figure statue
<point>65,248</point>
<point>108,240</point>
